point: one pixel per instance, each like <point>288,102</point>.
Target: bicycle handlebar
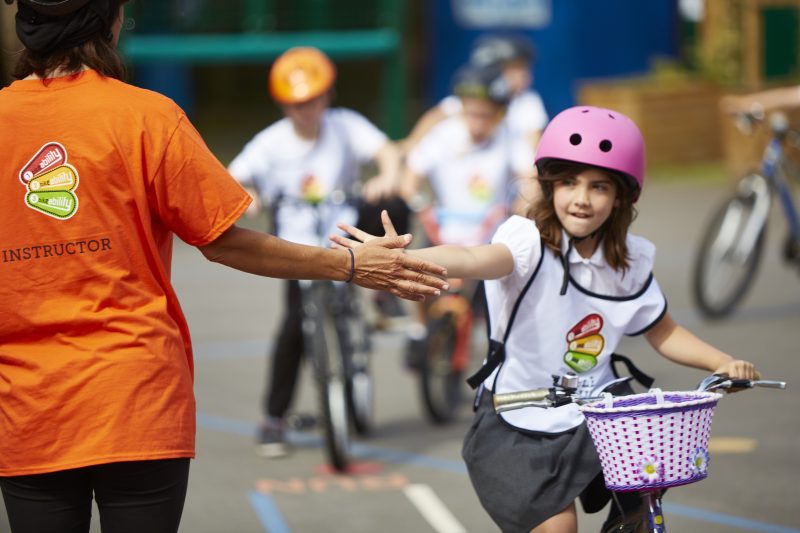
<point>558,395</point>
<point>718,381</point>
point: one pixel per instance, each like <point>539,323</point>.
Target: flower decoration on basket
<point>651,469</point>
<point>698,461</point>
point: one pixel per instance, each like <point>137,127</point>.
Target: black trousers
<point>286,355</point>
<point>132,497</point>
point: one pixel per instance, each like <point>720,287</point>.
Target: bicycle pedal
<point>302,422</point>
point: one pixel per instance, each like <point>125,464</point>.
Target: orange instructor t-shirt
<point>95,356</point>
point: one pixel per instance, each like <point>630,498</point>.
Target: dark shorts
<point>132,497</point>
<point>523,479</point>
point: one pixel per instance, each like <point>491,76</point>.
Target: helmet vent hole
<point>605,145</point>
<point>611,116</point>
<point>585,111</point>
<point>575,139</point>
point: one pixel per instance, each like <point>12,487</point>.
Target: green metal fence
<point>197,32</point>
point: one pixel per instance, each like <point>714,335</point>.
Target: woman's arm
<point>678,344</point>
<point>377,265</point>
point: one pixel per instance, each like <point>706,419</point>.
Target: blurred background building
<point>663,62</point>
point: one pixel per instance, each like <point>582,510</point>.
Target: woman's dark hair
<point>98,53</point>
<point>613,232</point>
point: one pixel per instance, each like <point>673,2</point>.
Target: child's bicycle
<point>646,442</point>
<point>733,242</point>
<point>337,342</point>
<point>450,319</point>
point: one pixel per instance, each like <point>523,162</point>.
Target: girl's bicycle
<point>646,442</point>
<point>450,319</point>
<point>337,342</point>
<point>733,242</point>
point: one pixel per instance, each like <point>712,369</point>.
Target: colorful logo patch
<point>50,182</point>
<point>311,190</point>
<point>480,189</point>
<point>585,343</point>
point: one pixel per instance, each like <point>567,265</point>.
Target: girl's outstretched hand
<point>381,264</point>
<point>360,237</point>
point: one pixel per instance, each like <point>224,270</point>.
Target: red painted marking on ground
<point>353,469</point>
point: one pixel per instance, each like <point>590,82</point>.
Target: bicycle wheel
<point>329,375</point>
<point>730,251</point>
<point>441,384</point>
<point>360,391</point>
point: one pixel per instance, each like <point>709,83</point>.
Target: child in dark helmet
<point>472,164</point>
<point>96,362</point>
<point>515,56</point>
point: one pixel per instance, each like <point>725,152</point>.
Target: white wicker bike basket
<point>652,440</point>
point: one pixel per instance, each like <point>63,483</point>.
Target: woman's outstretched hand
<point>381,264</point>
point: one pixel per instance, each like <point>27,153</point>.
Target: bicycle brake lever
<point>713,381</point>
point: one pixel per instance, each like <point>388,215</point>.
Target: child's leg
<point>564,522</point>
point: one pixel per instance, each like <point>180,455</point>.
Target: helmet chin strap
<point>565,256</point>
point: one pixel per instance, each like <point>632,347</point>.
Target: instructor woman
<point>96,368</point>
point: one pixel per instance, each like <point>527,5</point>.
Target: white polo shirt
<point>278,162</point>
<point>469,179</point>
<point>575,332</point>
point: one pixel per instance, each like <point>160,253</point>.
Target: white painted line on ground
<point>433,509</point>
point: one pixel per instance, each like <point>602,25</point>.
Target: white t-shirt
<point>469,180</point>
<point>526,112</point>
<point>577,331</point>
<point>281,164</point>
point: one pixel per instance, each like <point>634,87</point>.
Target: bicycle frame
<point>773,166</point>
<point>732,244</point>
<point>331,345</point>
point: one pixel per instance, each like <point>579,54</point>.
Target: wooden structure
<point>749,27</point>
<point>738,30</point>
<point>680,123</point>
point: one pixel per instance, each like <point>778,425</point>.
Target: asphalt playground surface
<point>409,477</point>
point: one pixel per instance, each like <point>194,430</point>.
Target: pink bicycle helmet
<point>598,137</point>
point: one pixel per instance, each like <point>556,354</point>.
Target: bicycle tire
<point>360,390</point>
<point>329,376</point>
<point>715,293</point>
<point>441,386</point>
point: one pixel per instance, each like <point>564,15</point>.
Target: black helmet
<point>485,83</point>
<point>500,49</point>
<point>53,8</point>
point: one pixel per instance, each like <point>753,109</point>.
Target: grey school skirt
<point>523,479</point>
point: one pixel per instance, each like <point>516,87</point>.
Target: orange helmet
<point>301,74</point>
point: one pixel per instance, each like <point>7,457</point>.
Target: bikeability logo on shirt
<point>50,182</point>
<point>480,189</point>
<point>584,343</point>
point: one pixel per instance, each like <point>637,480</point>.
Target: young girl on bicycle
<point>577,273</point>
<point>295,163</point>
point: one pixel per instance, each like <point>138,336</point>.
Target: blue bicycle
<point>733,243</point>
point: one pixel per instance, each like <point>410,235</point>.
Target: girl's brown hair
<point>98,54</point>
<point>613,232</point>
